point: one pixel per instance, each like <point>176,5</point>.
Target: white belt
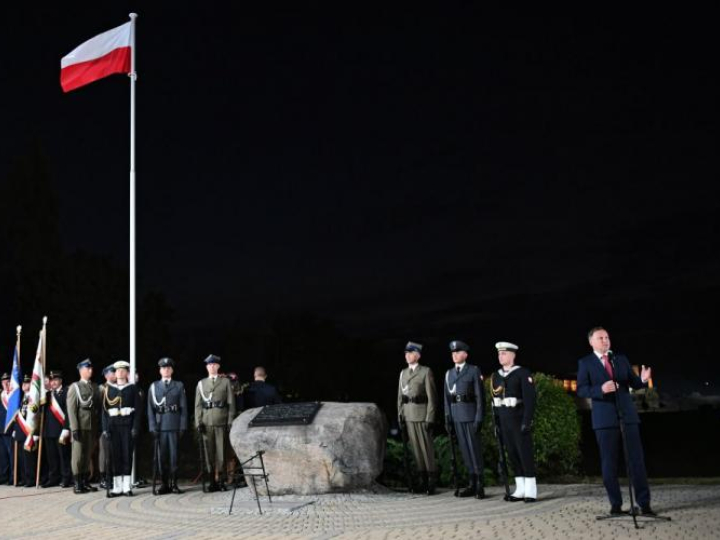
<point>506,402</point>
<point>125,411</point>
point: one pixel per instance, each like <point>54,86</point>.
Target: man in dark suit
<point>57,434</point>
<point>606,379</point>
<point>260,393</point>
<point>464,415</point>
<point>167,418</point>
<point>6,451</point>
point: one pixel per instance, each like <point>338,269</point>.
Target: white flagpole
<point>133,78</point>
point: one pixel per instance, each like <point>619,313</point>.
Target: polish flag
<point>103,55</point>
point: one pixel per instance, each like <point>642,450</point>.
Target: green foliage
<point>556,436</point>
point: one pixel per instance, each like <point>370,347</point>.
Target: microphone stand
<point>621,421</point>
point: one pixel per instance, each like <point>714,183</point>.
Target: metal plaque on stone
<point>286,414</point>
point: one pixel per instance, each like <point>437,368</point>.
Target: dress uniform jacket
<point>121,419</point>
<point>167,406</point>
<point>214,402</point>
<point>417,397</point>
<point>83,405</point>
<point>463,394</point>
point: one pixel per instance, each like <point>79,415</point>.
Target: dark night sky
<point>417,174</point>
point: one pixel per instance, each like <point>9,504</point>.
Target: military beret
<point>457,345</point>
<point>212,359</point>
<point>5,377</point>
<point>109,369</point>
<point>56,374</point>
<point>413,347</point>
<point>506,346</point>
<point>166,362</point>
<point>121,364</point>
<point>27,378</point>
<point>85,363</point>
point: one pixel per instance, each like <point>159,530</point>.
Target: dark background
<point>317,185</point>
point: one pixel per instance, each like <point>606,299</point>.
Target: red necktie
<point>608,366</point>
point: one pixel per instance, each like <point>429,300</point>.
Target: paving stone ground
<point>562,511</point>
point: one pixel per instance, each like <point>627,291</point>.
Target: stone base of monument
<point>342,450</point>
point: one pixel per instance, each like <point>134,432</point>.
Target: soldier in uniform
<point>167,418</point>
<point>214,413</point>
<point>83,403</point>
<point>513,394</point>
<point>6,453</point>
<point>57,434</point>
<point>417,402</point>
<point>109,374</point>
<point>120,424</point>
<point>464,415</point>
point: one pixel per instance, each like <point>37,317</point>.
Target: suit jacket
<point>3,411</point>
<point>413,384</point>
<point>220,394</point>
<point>467,383</point>
<point>54,426</point>
<point>592,375</point>
<point>259,394</point>
<point>160,399</point>
<point>83,416</point>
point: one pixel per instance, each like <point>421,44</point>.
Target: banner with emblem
<point>11,400</point>
<point>36,397</point>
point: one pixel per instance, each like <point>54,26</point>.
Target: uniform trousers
<point>81,451</point>
<point>470,448</point>
<point>422,446</point>
<point>122,449</point>
<point>519,446</point>
<point>58,457</point>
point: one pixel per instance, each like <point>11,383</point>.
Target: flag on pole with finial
<point>36,395</point>
<point>14,396</point>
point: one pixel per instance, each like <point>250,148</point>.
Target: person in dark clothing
<point>260,393</point>
<point>57,434</point>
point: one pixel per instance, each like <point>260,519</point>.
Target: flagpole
<point>15,460</point>
<point>43,336</point>
<point>133,79</point>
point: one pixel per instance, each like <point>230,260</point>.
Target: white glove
<point>64,435</point>
<point>36,438</point>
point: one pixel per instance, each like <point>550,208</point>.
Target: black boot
<point>480,488</point>
<point>164,487</point>
<point>174,486</point>
<point>86,483</point>
<point>471,490</point>
<point>78,488</point>
<point>432,482</point>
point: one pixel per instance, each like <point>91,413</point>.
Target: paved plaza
<point>563,511</point>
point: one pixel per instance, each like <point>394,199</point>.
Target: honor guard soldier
<point>214,413</point>
<point>6,454</point>
<point>83,404</point>
<point>109,375</point>
<point>120,424</point>
<point>464,415</point>
<point>57,434</point>
<point>167,418</point>
<point>513,396</point>
<point>417,403</point>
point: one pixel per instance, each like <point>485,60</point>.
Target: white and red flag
<point>103,55</point>
<point>36,399</point>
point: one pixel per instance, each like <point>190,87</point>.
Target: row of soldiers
<point>74,416</point>
<point>513,402</point>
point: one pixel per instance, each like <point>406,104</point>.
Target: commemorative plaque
<point>286,414</point>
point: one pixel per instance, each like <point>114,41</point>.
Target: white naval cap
<point>121,364</point>
<point>506,346</point>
